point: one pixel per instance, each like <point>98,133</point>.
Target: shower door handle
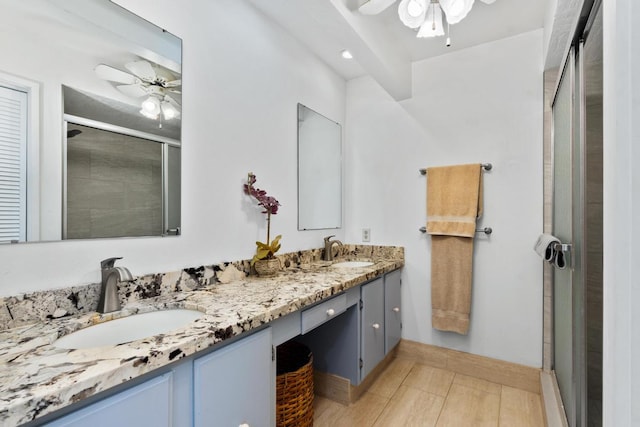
<point>562,255</point>
<point>562,247</point>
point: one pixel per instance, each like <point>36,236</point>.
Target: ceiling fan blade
<point>179,92</point>
<point>134,90</point>
<point>488,1</point>
<point>114,75</point>
<point>142,69</point>
<point>374,7</point>
<point>173,83</point>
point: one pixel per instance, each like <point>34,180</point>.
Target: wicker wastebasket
<point>294,385</point>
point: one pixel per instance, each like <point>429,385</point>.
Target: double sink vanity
<point>196,347</point>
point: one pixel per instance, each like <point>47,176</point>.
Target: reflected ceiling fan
<point>424,14</point>
<point>145,80</point>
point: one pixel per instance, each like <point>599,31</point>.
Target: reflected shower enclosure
<point>117,184</point>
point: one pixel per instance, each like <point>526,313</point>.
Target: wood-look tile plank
<point>411,407</point>
<point>519,408</point>
<point>432,380</point>
<point>477,383</point>
<point>391,378</point>
<point>467,406</point>
<point>325,411</point>
<point>363,413</point>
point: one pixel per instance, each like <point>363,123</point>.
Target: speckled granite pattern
<point>35,307</point>
<point>38,378</point>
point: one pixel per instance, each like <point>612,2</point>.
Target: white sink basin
<point>128,329</point>
<point>352,264</point>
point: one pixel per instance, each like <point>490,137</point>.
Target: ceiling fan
<point>374,7</point>
<point>424,14</point>
<point>144,79</point>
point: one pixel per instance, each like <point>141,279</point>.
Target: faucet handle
<point>326,239</point>
<point>109,262</point>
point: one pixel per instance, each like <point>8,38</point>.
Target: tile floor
<point>412,394</point>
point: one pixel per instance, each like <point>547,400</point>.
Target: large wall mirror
<point>90,122</point>
<point>319,171</point>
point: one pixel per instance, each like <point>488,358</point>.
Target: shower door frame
<point>573,66</point>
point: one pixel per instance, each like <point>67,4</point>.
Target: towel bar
<point>485,166</point>
<point>485,230</point>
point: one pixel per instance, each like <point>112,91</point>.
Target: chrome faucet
<point>111,275</point>
<point>328,247</point>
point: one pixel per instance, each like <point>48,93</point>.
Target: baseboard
<point>497,371</point>
<point>332,387</point>
<point>551,401</point>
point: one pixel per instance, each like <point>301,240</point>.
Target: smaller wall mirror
<point>319,171</point>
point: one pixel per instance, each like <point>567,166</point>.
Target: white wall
<point>621,180</point>
<point>243,78</point>
<point>482,104</point>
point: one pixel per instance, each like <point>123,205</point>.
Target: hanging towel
<point>454,201</point>
<point>545,247</point>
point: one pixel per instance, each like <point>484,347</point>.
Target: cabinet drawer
<point>323,312</point>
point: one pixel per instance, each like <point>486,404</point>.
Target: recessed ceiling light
<point>346,54</point>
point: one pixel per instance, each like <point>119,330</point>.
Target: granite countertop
<point>38,378</point>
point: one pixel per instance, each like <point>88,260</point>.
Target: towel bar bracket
<point>485,230</point>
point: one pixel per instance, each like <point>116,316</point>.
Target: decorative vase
<point>267,267</point>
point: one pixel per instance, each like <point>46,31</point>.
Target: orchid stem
<point>268,225</point>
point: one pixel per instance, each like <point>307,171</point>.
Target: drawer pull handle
<point>331,312</point>
<point>396,309</point>
<point>376,326</point>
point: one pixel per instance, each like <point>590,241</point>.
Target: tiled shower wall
<point>114,185</point>
<point>593,262</point>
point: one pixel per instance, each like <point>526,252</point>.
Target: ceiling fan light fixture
<point>168,111</point>
<point>148,114</point>
<point>150,107</point>
<point>456,10</point>
<point>412,13</point>
<point>415,9</point>
<point>432,26</point>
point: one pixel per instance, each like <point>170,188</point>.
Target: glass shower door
<point>563,295</point>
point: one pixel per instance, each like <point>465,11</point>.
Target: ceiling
<point>381,45</point>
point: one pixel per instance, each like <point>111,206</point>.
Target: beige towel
<point>454,200</point>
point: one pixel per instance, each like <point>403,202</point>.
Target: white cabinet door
<point>372,324</point>
<point>233,386</point>
<point>392,312</point>
<point>147,404</point>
